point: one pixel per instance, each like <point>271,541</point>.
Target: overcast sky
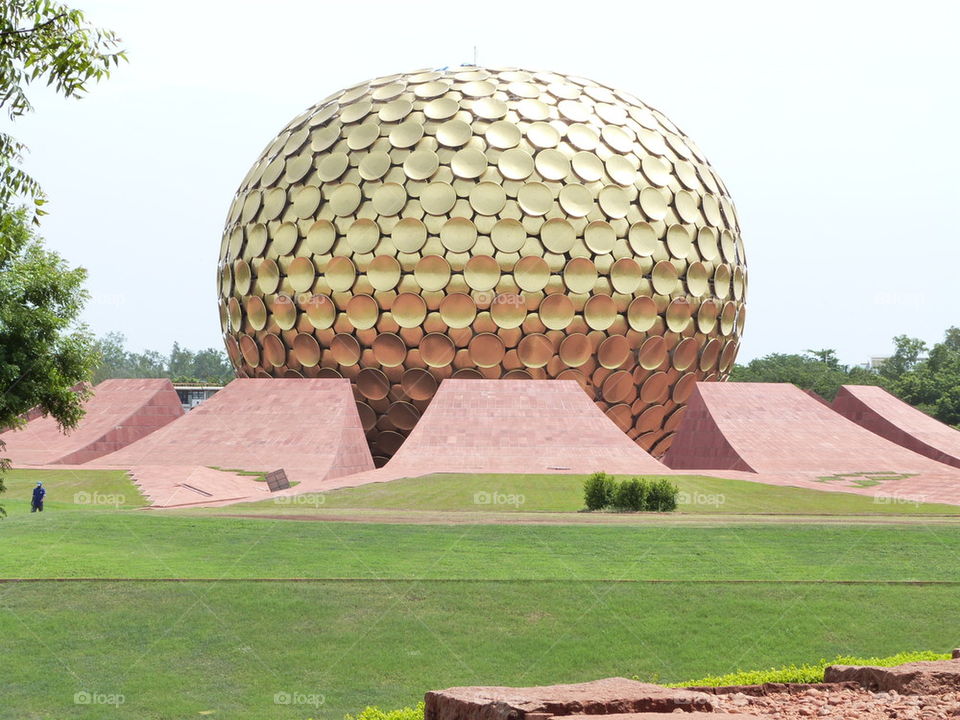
<point>834,125</point>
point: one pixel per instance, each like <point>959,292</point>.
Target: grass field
<point>564,493</point>
<point>70,490</point>
<point>208,614</point>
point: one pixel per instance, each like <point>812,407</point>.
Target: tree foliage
<point>927,378</point>
<point>41,40</point>
<point>44,352</point>
<point>181,365</point>
<point>816,370</point>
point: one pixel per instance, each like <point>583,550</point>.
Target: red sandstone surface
<point>308,427</point>
<point>778,434</point>
<point>517,426</point>
<point>889,417</point>
<point>119,413</point>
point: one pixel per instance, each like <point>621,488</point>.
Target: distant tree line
<point>180,365</point>
<point>926,377</point>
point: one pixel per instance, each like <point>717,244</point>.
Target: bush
<point>598,491</point>
<point>375,713</point>
<point>662,496</point>
<point>806,673</point>
<point>631,495</point>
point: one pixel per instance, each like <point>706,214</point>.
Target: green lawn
<point>70,490</point>
<point>564,493</point>
<point>175,650</point>
<point>151,545</point>
<point>367,613</point>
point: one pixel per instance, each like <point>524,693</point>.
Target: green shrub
<point>806,673</point>
<point>598,491</point>
<point>631,495</point>
<point>375,713</point>
<point>662,496</point>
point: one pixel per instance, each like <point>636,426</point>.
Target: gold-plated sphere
<point>482,222</point>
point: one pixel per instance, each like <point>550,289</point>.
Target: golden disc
<point>678,315</point>
<point>345,349</point>
<point>508,235</point>
<point>363,235</point>
<point>409,235</point>
<point>576,200</point>
<point>614,201</point>
<point>458,310</point>
<point>600,312</point>
<point>389,199</point>
<point>301,274</point>
<point>721,282</point>
<point>359,138</point>
<point>441,108</point>
<point>665,278</point>
<point>653,204</point>
<point>707,316</point>
<point>515,164</point>
<point>587,166</point>
<point>556,311</point>
<point>582,137</point>
<point>285,238</point>
<point>454,133</point>
<point>728,317</point>
<point>502,134</point>
<point>508,311</point>
<point>256,312</point>
<point>481,272</point>
<point>406,134</point>
<point>580,275</point>
<point>268,276</point>
<point>320,311</point>
<point>600,237</point>
<point>321,236</point>
<point>535,350</point>
<point>432,272</point>
<point>332,166</point>
<point>489,108</point>
<point>458,234</point>
<point>531,273</point>
<point>274,351</point>
<point>362,311</point>
<point>620,415</point>
<point>619,388</point>
<point>683,388</point>
<point>621,170</point>
<point>408,310</point>
<point>345,199</point>
<point>486,350</point>
<point>679,242</point>
<point>542,135</point>
<point>613,352</point>
<point>535,198</point>
<point>421,164</point>
<point>340,273</point>
<point>437,350</point>
<point>257,237</point>
<point>685,354</point>
<point>306,200</point>
<point>652,353</point>
<point>626,276</point>
<point>487,198</point>
<point>395,110</point>
<point>242,276</point>
<point>468,163</point>
<point>642,313</point>
<point>250,350</point>
<point>686,204</point>
<point>372,384</point>
<point>284,312</point>
<point>306,350</point>
<point>698,279</point>
<point>654,388</point>
<point>389,349</point>
<point>552,164</point>
<point>438,198</point>
<point>710,355</point>
<point>558,235</point>
<point>575,350</point>
<point>383,272</point>
<point>403,415</point>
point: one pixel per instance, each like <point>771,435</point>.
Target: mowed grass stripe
<point>179,649</point>
<point>124,545</point>
<point>564,581</point>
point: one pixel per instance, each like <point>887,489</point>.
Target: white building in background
<point>192,394</point>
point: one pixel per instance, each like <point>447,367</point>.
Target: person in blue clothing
<point>36,505</point>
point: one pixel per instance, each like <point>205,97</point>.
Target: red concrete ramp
<point>120,412</point>
<point>889,417</point>
<point>781,433</point>
<point>308,427</point>
<point>517,426</point>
